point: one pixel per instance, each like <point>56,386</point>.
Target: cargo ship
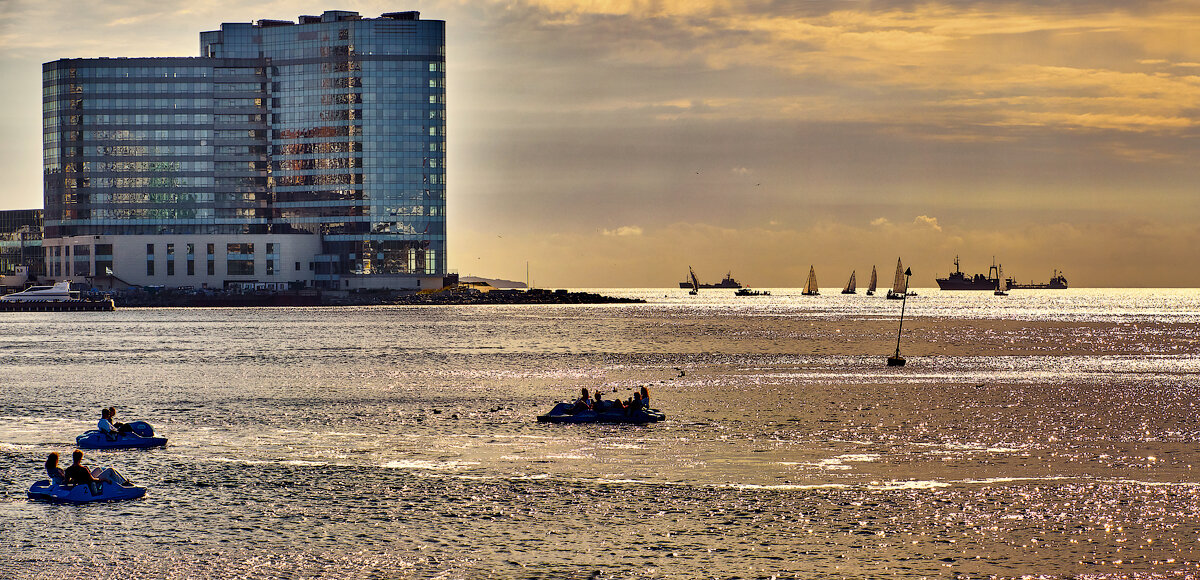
<point>959,281</point>
<point>726,282</point>
<point>1057,282</point>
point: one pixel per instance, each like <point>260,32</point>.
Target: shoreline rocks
<point>458,296</point>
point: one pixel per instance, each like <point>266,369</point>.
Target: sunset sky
<point>615,143</point>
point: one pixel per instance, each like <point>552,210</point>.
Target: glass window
<point>240,267</point>
<point>239,259</point>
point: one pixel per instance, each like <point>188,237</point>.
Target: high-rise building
<point>306,153</point>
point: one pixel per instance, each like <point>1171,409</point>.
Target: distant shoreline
<point>382,298</point>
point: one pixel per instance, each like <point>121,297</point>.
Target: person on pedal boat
<point>121,427</point>
<point>583,403</point>
<point>105,425</point>
<point>55,473</point>
<point>78,473</point>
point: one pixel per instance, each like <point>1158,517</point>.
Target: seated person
<point>105,424</point>
<point>634,404</point>
<point>77,473</point>
<point>121,427</point>
<point>598,404</point>
<point>645,397</point>
<point>54,472</point>
<point>109,475</point>
<point>583,403</point>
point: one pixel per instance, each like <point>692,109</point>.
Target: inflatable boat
<point>142,436</point>
<point>43,490</point>
<point>562,413</point>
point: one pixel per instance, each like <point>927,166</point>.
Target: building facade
<point>21,241</point>
<point>308,153</point>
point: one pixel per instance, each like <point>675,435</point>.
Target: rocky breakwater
<point>312,297</point>
<point>533,296</point>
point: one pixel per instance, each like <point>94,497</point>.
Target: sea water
<point>1045,433</point>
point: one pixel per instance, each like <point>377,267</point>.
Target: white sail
<point>850,287</point>
<point>810,287</point>
<point>871,288</point>
<point>1001,283</point>
<point>898,283</point>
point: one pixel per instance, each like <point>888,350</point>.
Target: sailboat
<point>810,287</point>
<point>1001,283</point>
<point>899,286</point>
<point>871,288</point>
<point>849,289</point>
<point>695,283</point>
<point>896,360</point>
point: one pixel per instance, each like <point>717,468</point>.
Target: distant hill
<point>493,282</point>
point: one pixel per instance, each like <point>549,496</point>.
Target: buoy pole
<point>903,302</point>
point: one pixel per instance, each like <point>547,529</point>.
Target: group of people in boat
<point>109,425</point>
<point>638,401</point>
<point>77,473</point>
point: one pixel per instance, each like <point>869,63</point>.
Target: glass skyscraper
<point>288,153</point>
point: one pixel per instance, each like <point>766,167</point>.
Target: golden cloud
<point>933,64</point>
<point>927,222</point>
<point>623,231</point>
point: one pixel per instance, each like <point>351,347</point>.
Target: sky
<point>614,143</point>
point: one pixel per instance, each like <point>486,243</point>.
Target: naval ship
<point>727,282</point>
<point>959,281</point>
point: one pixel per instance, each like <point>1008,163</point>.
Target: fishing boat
<point>849,289</point>
<point>896,360</point>
<point>874,278</point>
<point>899,285</point>
<point>695,283</point>
<point>1001,283</point>
<point>810,287</point>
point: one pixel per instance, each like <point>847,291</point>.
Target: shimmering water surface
<point>1047,433</point>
